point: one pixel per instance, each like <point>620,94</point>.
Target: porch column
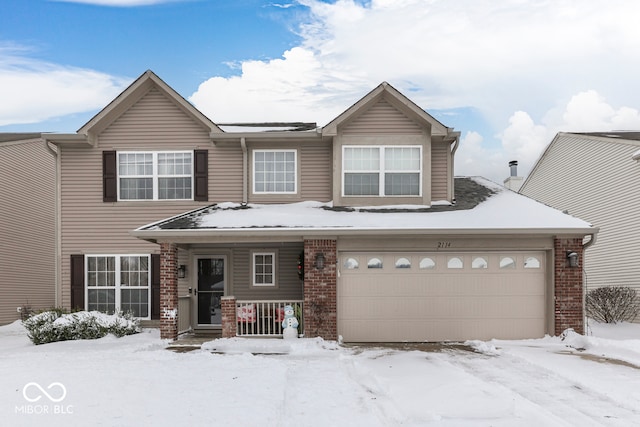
<point>168,291</point>
<point>569,292</point>
<point>229,321</point>
<point>320,284</point>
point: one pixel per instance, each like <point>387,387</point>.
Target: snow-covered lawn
<point>135,381</point>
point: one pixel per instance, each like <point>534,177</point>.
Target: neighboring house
<point>596,176</point>
<point>359,224</point>
<point>27,225</point>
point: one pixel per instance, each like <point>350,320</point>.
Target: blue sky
<point>508,74</point>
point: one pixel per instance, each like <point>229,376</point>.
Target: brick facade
<point>320,287</point>
<point>168,291</point>
<point>569,292</point>
<point>229,324</point>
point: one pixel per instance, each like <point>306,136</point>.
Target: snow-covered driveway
<point>136,381</point>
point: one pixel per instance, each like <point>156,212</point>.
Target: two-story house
<point>359,224</point>
<point>595,176</point>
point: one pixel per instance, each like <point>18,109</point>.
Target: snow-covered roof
<point>482,207</point>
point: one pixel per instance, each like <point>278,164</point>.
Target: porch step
<point>193,341</point>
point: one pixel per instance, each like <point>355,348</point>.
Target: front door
<point>211,280</point>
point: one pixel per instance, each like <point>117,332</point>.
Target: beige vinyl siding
<point>596,180</point>
<point>288,285</point>
<point>27,228</point>
<point>91,226</point>
<point>439,170</point>
<point>382,119</point>
<point>225,173</point>
<point>316,171</point>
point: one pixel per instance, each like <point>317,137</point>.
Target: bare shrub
<point>612,304</point>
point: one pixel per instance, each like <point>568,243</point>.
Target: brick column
<point>320,299</point>
<point>168,291</point>
<point>229,321</point>
<point>569,292</point>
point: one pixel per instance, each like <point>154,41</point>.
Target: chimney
<point>514,182</point>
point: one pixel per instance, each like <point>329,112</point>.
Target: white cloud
<point>39,90</point>
<point>497,56</point>
<point>524,140</point>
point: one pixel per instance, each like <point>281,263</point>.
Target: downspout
<point>58,225</point>
<point>456,143</point>
<point>245,167</point>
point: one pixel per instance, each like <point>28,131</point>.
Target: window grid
<point>264,269</point>
<point>274,171</point>
<point>118,282</point>
<point>382,171</point>
<point>155,175</point>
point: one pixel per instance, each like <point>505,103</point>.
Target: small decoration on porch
<point>289,324</point>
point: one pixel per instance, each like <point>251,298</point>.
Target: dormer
<point>389,151</point>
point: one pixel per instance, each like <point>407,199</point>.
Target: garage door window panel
<point>479,263</point>
<point>427,263</point>
<point>403,263</point>
<point>531,262</point>
<point>507,263</point>
<point>455,263</point>
<point>374,263</point>
<point>351,263</point>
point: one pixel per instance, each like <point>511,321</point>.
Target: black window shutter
<point>109,177</point>
<point>155,286</point>
<point>77,282</point>
<point>201,175</point>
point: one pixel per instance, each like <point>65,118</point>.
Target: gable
<point>154,118</point>
<point>382,118</point>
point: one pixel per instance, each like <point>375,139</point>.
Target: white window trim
<point>117,286</point>
<point>275,150</point>
<point>274,257</point>
<point>382,171</point>
<point>155,176</point>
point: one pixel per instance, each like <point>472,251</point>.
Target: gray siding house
<point>595,176</point>
<point>360,224</point>
<point>27,225</point>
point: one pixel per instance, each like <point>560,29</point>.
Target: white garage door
<point>414,297</point>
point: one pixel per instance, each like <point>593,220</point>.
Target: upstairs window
<point>155,175</point>
<point>382,170</point>
<point>274,171</point>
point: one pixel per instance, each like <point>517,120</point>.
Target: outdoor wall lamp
<point>182,271</point>
<point>573,258</point>
<point>319,264</point>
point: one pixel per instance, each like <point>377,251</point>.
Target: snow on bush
<point>612,304</point>
<point>56,325</point>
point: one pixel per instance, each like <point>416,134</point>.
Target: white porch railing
<point>264,318</point>
<point>184,314</point>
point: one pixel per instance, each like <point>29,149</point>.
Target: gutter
<point>245,169</point>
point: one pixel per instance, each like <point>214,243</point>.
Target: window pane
<point>136,188</point>
<point>135,301</point>
<point>351,264</point>
<point>361,184</point>
<point>264,265</point>
<point>455,262</point>
<point>507,262</point>
<point>174,188</point>
<point>402,184</point>
<point>427,263</point>
<point>135,164</point>
<point>479,262</point>
<point>402,159</point>
<point>532,262</point>
<point>403,263</point>
<point>374,263</point>
<point>361,159</point>
<point>103,300</point>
